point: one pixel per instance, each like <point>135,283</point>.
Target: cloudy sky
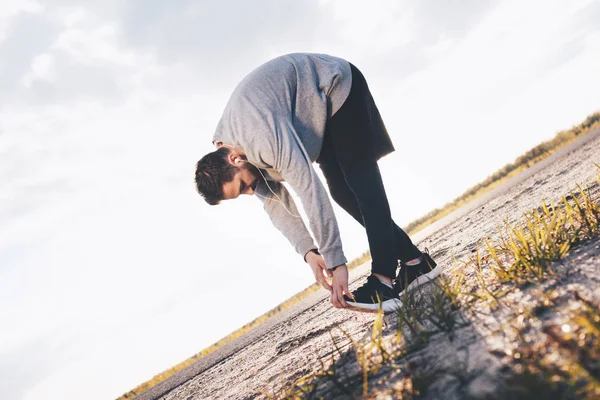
<point>112,268</point>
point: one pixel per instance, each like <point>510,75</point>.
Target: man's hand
<point>317,264</point>
<point>340,287</point>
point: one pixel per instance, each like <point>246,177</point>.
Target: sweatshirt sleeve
<point>280,206</point>
<point>285,152</point>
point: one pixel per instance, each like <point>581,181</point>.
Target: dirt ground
<point>303,340</point>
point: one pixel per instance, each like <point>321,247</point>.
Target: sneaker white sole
<point>387,306</point>
<point>394,304</point>
<point>423,279</point>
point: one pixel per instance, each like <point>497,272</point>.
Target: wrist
<point>308,253</point>
<point>337,266</point>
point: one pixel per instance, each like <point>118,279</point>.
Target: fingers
<point>325,271</point>
<point>341,297</point>
<point>334,300</point>
<point>337,297</point>
<point>322,279</point>
<point>348,292</point>
<point>323,282</point>
<point>339,287</point>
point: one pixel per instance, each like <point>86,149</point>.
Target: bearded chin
<point>253,170</point>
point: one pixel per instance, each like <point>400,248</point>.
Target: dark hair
<point>212,171</point>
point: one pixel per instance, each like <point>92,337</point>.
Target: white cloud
<point>105,246</point>
<point>99,44</point>
<point>473,94</point>
<point>42,68</point>
<point>378,25</point>
<point>9,9</point>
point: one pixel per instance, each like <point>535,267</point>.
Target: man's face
<point>244,182</point>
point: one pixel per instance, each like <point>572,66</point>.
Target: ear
<point>234,157</point>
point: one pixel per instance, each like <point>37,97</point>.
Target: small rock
<point>482,387</point>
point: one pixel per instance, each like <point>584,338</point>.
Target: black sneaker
<point>411,277</point>
<point>372,295</point>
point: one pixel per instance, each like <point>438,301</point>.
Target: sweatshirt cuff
<point>334,258</point>
<point>305,246</point>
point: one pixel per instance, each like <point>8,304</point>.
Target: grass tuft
<point>521,255</point>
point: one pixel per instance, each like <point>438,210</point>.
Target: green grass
<point>374,356</point>
<point>521,255</point>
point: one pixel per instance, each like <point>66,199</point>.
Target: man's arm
<point>295,166</point>
<point>282,150</point>
<point>280,206</point>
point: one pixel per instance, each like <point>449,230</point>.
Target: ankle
<point>384,279</point>
<point>414,261</point>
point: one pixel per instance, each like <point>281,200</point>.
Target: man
<point>285,115</point>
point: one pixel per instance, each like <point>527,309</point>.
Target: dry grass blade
<point>521,253</point>
<point>499,269</point>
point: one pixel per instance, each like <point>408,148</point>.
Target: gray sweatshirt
<point>276,116</point>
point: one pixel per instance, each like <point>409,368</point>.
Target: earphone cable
<point>279,200</point>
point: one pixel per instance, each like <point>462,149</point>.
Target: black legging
<point>355,138</point>
<point>360,192</point>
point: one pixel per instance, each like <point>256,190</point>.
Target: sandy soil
<point>298,341</point>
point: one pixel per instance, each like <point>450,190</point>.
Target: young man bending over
<point>286,114</point>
